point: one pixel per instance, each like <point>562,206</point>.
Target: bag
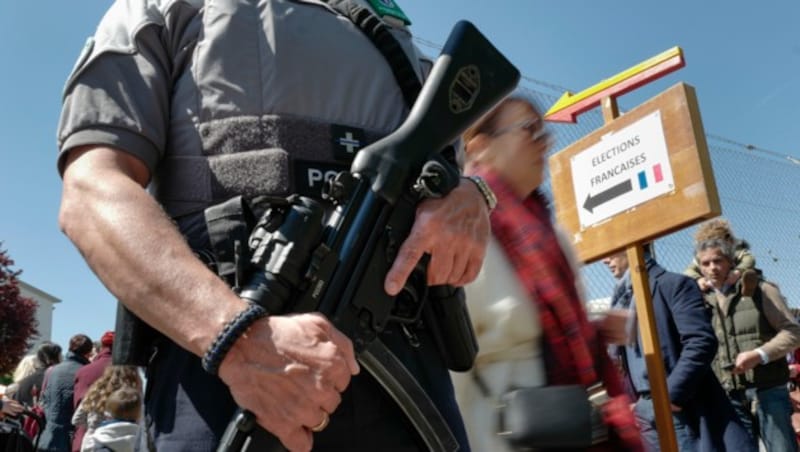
<point>553,417</point>
<point>13,439</point>
<point>33,422</point>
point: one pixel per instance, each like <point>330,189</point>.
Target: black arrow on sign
<point>607,195</point>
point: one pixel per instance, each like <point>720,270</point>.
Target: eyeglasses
<point>531,126</point>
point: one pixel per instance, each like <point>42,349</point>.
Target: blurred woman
<point>29,388</point>
<point>25,368</point>
<point>92,410</point>
<point>525,304</point>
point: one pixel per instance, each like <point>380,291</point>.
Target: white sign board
<point>623,170</point>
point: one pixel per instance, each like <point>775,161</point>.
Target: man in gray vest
<point>175,106</point>
<point>755,331</point>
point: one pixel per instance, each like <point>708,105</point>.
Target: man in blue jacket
<point>702,416</point>
<point>57,392</point>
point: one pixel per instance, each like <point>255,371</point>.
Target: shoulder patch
<point>388,8</point>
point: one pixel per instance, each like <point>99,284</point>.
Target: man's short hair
<point>725,247</point>
<point>125,404</point>
<point>80,344</point>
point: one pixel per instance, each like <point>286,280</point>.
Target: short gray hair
<point>725,247</point>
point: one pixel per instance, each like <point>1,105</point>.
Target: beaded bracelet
<point>232,331</point>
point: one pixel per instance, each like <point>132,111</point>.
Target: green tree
<point>17,316</point>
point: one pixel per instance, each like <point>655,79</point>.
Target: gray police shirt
<point>225,97</point>
<point>220,98</point>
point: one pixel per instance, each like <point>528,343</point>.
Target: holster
<point>133,339</point>
<point>228,224</point>
<point>446,316</point>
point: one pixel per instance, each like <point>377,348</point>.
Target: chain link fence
<point>758,190</point>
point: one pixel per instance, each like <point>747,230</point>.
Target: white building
<point>44,314</point>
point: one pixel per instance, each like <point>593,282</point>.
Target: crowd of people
<point>179,115</point>
<point>724,331</point>
<point>86,402</point>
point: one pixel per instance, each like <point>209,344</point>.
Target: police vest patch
<point>346,142</point>
<point>310,176</point>
<point>389,8</point>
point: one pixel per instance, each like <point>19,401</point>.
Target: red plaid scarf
<point>573,353</point>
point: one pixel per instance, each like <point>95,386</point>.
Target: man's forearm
<point>137,252</point>
<point>780,318</point>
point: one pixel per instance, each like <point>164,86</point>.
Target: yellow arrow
<point>568,99</point>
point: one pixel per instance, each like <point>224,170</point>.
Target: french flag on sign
<point>657,177</point>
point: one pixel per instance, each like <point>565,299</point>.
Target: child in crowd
<point>120,433</point>
<point>720,228</point>
<point>91,412</point>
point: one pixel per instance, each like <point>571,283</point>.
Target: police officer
<point>174,106</point>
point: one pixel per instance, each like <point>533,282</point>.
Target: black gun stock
<point>374,216</point>
<point>468,78</point>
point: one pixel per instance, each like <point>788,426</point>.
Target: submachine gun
<point>337,268</point>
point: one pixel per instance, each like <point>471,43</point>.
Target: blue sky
<point>743,58</point>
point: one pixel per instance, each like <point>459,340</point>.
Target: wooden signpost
<point>642,175</point>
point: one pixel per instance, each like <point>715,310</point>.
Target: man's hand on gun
<point>454,230</point>
<point>290,371</point>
